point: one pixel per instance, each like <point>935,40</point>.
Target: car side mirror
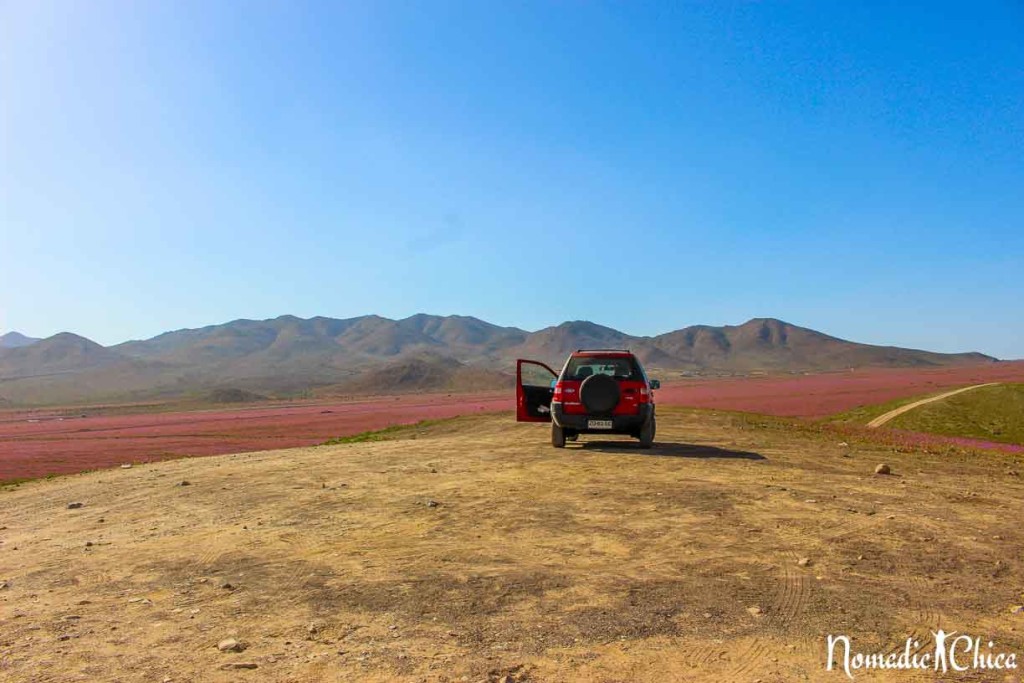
<point>655,384</point>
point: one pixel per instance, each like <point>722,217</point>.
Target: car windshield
<point>581,367</point>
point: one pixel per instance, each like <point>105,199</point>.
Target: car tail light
<point>557,396</point>
<point>645,396</point>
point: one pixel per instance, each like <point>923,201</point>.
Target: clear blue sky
<point>853,167</point>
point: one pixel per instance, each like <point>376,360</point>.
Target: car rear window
<point>621,367</point>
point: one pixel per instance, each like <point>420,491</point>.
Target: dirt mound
<point>424,373</point>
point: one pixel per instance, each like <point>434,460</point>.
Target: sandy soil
<point>600,562</point>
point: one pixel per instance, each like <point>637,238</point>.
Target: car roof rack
<point>603,350</point>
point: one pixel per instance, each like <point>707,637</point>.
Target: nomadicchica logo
<point>948,653</point>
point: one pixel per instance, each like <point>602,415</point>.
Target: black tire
<point>599,394</point>
<point>647,433</point>
<point>557,436</point>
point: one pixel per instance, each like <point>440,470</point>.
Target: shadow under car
<point>667,449</point>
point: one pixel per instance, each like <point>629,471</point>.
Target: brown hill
<point>767,344</point>
<point>464,332</point>
<point>554,343</point>
<point>13,340</point>
<point>61,353</point>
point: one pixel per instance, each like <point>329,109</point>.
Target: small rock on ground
<point>230,645</point>
<point>74,506</point>
<point>804,562</point>
<point>882,468</point>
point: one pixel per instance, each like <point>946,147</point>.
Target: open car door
<point>535,385</point>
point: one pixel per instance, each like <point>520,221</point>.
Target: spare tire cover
<point>599,393</point>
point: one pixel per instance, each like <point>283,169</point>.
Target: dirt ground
<point>472,550</point>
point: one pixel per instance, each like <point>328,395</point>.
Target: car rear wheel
<point>557,436</point>
<point>647,433</point>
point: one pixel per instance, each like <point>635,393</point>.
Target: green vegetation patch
<point>10,484</point>
<point>993,413</point>
<point>386,434</point>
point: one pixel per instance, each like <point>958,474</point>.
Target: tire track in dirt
<point>850,528</point>
<point>788,601</point>
<point>792,597</point>
<point>701,657</point>
<point>297,573</point>
<point>926,616</point>
<point>708,655</point>
<point>797,583</point>
<point>750,659</point>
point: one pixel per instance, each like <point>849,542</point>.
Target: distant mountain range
<point>289,356</point>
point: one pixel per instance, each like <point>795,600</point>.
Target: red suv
<point>599,391</point>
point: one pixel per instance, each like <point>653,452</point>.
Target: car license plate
<point>599,424</point>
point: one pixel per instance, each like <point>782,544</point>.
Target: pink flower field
<point>41,442</point>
